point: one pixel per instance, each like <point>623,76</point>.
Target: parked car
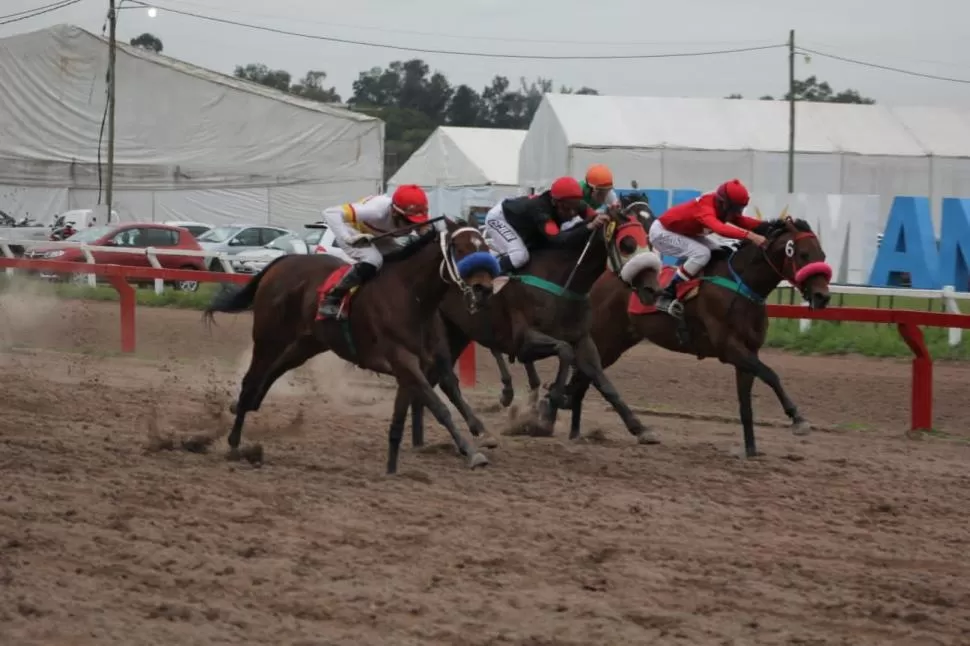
<point>195,228</point>
<point>313,241</point>
<point>128,236</point>
<point>232,239</point>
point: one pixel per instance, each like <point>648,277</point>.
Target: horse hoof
<point>743,454</point>
<point>647,436</point>
<point>487,442</point>
<point>233,454</point>
<point>478,460</point>
<point>507,397</point>
<point>233,407</point>
<point>801,427</point>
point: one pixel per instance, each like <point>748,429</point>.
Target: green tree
<point>259,73</point>
<point>811,89</point>
<point>311,87</point>
<point>465,108</point>
<point>148,41</point>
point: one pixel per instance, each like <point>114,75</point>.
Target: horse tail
<point>232,299</point>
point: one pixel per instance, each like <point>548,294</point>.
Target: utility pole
<point>791,111</point>
<point>112,50</point>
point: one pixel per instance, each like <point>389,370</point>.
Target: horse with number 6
<point>724,314</point>
<point>389,323</point>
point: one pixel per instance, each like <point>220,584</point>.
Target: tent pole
<point>112,47</point>
<point>791,111</point>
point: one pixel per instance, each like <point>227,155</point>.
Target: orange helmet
<point>599,176</point>
<point>411,202</point>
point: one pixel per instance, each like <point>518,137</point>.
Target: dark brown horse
<point>390,326</point>
<point>724,315</point>
<point>547,312</point>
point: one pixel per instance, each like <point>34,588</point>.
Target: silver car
<point>231,239</point>
<point>314,241</point>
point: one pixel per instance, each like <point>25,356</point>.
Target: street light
<point>113,9</point>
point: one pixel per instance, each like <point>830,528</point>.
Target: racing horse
<point>388,327</point>
<point>634,204</point>
<point>547,312</point>
<point>724,315</point>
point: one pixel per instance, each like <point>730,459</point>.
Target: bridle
<point>788,271</point>
<point>449,265</point>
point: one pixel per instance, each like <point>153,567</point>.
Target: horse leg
<point>508,392</point>
<point>260,364</point>
<point>407,369</point>
<point>745,381</point>
<point>577,388</point>
<point>770,377</point>
<point>295,355</point>
<point>535,346</point>
<point>534,382</point>
<point>402,400</point>
<point>417,423</point>
<point>588,362</point>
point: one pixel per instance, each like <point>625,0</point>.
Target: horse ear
<point>785,215</point>
<point>757,210</point>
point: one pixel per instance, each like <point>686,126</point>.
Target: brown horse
<point>724,315</point>
<point>547,312</point>
<point>389,328</point>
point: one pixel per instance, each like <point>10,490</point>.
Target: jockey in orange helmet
<point>354,226</point>
<point>520,224</point>
<point>598,188</point>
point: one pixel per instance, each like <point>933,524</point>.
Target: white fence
<point>948,295</point>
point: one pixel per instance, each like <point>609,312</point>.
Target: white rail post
<point>153,261</point>
<point>89,258</point>
<point>953,307</point>
<point>7,253</point>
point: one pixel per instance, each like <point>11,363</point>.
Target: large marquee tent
<point>191,144</point>
<point>695,143</point>
<point>464,169</point>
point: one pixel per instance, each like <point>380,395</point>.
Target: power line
<point>284,32</point>
<point>888,68</point>
<point>250,14</point>
<point>17,16</point>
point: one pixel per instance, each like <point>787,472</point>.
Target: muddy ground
<point>112,533</point>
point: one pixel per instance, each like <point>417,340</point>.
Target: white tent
<point>696,143</point>
<point>191,144</point>
<point>464,168</point>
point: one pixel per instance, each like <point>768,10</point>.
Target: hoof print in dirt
<point>157,443</point>
<point>251,454</point>
<point>197,444</point>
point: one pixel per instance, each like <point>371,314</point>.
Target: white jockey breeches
<point>503,238</point>
<point>696,251</point>
<point>368,254</point>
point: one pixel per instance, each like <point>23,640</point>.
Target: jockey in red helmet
<point>682,232</point>
<point>354,226</point>
<point>517,225</point>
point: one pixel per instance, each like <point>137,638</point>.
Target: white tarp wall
<point>191,144</point>
<point>690,143</point>
<point>463,168</point>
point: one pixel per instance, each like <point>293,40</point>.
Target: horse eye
<point>804,256</point>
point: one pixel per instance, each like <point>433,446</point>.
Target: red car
<point>129,236</point>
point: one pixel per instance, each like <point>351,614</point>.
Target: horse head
<point>629,254</point>
<point>793,253</point>
<point>467,262</point>
<point>638,204</point>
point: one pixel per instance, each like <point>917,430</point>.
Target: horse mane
<point>421,242</point>
<point>770,229</point>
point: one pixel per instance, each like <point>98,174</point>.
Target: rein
<point>789,264</point>
<point>448,263</point>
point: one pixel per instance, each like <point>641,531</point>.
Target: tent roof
<point>464,157</point>
<point>740,124</point>
<point>176,123</point>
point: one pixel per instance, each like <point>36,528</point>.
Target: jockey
<point>598,188</point>
<point>517,225</point>
<point>682,232</point>
<point>354,226</point>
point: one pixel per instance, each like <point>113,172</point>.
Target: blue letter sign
<point>908,246</point>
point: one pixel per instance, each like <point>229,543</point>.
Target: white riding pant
<point>697,251</point>
<point>369,254</point>
<point>505,240</point>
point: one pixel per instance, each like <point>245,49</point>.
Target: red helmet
<point>733,194</point>
<point>566,188</point>
<point>411,202</point>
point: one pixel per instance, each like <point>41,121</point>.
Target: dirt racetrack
<point>110,533</point>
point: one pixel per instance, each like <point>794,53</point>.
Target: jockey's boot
<point>667,301</point>
<point>358,274</point>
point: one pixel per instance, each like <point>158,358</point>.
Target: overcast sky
<point>928,36</point>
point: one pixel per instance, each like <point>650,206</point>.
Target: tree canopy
<point>148,41</point>
<point>811,89</point>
